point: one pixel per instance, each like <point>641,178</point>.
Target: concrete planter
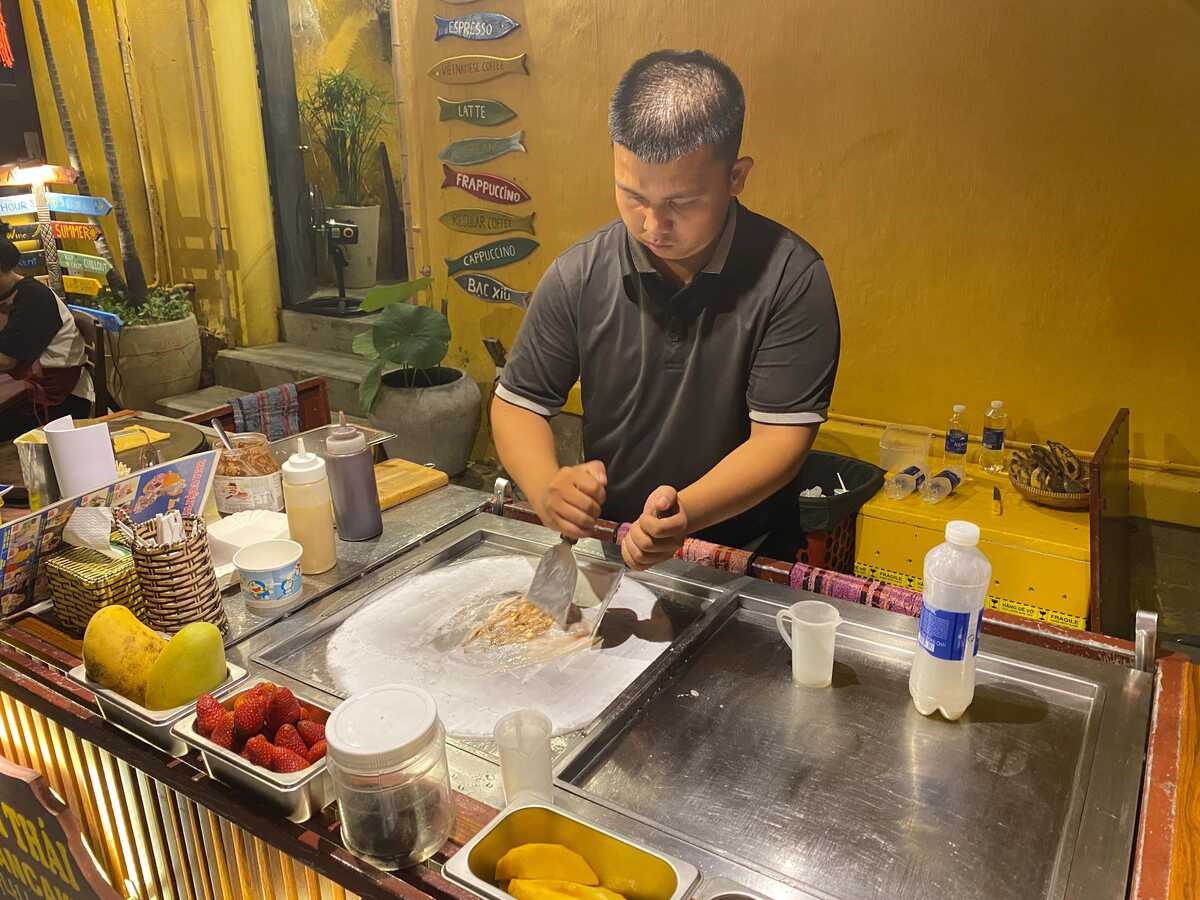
<point>362,259</point>
<point>432,424</point>
<point>148,362</point>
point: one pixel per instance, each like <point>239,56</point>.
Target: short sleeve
<point>32,325</point>
<point>544,363</point>
<point>791,379</point>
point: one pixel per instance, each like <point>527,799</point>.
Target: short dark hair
<point>673,102</point>
<point>9,255</point>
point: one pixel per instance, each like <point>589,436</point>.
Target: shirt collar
<point>641,257</point>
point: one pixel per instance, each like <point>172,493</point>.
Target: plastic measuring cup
<point>809,628</point>
<point>523,738</point>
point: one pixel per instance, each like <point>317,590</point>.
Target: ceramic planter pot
<point>149,362</point>
<point>434,423</point>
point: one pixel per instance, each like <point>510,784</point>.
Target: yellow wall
<point>1007,196</point>
<point>169,106</point>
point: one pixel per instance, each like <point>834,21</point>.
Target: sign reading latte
<point>42,854</point>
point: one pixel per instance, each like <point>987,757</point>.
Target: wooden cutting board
<point>399,480</point>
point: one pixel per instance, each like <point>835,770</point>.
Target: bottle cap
<point>345,439</point>
<point>997,404</point>
<point>959,408</point>
<point>964,534</point>
<point>382,728</point>
<point>303,467</point>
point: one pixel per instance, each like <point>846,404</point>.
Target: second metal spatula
<point>553,585</point>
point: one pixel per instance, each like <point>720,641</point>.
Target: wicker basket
<point>1054,499</point>
<point>83,581</point>
<point>178,582</point>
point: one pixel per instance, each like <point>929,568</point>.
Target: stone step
<point>322,332</point>
<point>197,401</point>
<point>254,368</point>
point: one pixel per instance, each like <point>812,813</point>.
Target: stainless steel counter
<point>714,756</point>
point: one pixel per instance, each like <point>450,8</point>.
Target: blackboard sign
<point>42,854</point>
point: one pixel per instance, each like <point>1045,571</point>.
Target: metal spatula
<point>553,585</point>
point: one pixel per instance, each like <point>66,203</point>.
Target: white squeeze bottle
<point>995,424</point>
<point>309,509</point>
<point>957,575</point>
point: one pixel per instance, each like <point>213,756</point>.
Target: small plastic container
<point>809,628</point>
<point>901,446</point>
<point>387,757</point>
<point>526,767</point>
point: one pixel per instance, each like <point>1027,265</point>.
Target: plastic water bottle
<point>904,482</point>
<point>995,423</point>
<point>940,486</point>
<point>956,442</point>
<point>957,575</point>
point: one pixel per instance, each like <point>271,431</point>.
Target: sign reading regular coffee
<point>42,854</point>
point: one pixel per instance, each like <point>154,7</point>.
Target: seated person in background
<point>40,346</point>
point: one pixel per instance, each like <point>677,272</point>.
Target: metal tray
<point>151,725</point>
<point>617,861</point>
<point>852,793</point>
<point>296,795</point>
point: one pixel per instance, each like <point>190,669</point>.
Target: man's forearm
<point>751,473</point>
<point>525,445</point>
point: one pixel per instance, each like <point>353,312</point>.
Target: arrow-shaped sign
<point>82,262</point>
<point>17,204</point>
<point>22,232</point>
<point>30,260</point>
<point>28,246</point>
<point>35,174</point>
<point>74,284</point>
<point>77,203</point>
<point>74,231</point>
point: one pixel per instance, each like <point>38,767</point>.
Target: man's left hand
<point>659,531</point>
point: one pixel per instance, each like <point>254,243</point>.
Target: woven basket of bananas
<point>1051,475</point>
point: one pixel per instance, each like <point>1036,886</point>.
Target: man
<point>41,347</point>
<point>705,337</point>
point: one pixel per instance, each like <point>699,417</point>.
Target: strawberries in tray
<point>266,725</point>
<point>283,709</point>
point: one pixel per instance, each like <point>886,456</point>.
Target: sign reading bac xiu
<point>42,854</point>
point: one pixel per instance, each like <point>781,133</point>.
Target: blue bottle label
<point>916,473</point>
<point>956,442</point>
<point>945,634</point>
<point>951,476</point>
<point>993,438</point>
<point>978,628</point>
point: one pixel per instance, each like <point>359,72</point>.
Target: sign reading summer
<point>75,231</point>
<point>493,255</point>
<point>42,854</point>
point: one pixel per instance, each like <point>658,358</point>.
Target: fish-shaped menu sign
<point>480,26</point>
<point>485,187</point>
<point>493,255</point>
<point>486,221</point>
<point>472,69</point>
<point>489,289</point>
<point>473,151</point>
<point>477,112</point>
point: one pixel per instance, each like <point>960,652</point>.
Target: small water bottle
<point>956,442</point>
<point>902,483</point>
<point>352,483</point>
<point>995,424</point>
<point>957,575</point>
<point>940,486</point>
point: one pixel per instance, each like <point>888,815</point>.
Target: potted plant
<point>156,353</point>
<point>345,113</point>
<point>432,409</point>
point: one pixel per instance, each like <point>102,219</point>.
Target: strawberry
<point>316,752</point>
<point>250,717</point>
<point>283,709</point>
<point>259,751</point>
<point>222,734</point>
<point>313,714</point>
<point>310,731</point>
<point>287,736</point>
<point>208,713</point>
<point>284,761</point>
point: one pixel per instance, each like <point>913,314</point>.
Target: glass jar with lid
<point>386,753</point>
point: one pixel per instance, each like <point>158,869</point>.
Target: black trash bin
<point>863,480</point>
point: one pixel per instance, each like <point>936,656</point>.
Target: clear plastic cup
<point>809,628</point>
<point>523,738</point>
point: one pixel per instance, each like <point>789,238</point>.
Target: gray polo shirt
<point>671,379</point>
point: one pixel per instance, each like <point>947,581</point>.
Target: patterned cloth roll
<point>274,412</point>
<point>715,556</point>
<point>855,589</point>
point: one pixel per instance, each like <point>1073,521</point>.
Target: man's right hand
<point>571,503</point>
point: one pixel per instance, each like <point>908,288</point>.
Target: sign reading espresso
<point>42,854</point>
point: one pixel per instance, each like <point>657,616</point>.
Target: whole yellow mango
<point>548,889</point>
<point>118,652</point>
<point>192,662</point>
<point>545,861</point>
